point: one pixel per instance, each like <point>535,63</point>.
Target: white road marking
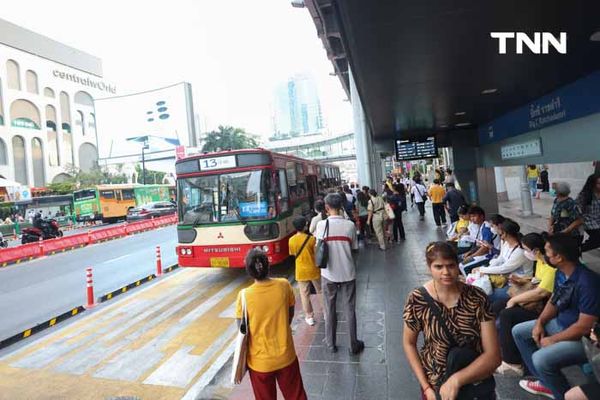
<point>209,375</point>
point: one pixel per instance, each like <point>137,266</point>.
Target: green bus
<point>109,203</point>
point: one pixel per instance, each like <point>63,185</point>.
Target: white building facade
<point>47,118</point>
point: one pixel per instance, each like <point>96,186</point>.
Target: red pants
<point>288,379</point>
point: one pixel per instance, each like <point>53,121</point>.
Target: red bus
<point>232,201</point>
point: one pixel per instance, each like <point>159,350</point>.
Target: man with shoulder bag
<point>336,249</point>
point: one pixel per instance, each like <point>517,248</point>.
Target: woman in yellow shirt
<point>533,175</point>
<point>271,355</point>
<point>302,247</point>
<point>525,306</point>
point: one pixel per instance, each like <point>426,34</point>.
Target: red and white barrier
<point>90,288</point>
<point>158,262</point>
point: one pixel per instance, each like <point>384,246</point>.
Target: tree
<point>228,137</point>
<point>95,176</point>
<point>151,176</point>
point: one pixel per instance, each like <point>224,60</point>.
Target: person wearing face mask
<point>553,340</point>
<point>511,260</point>
<point>525,303</point>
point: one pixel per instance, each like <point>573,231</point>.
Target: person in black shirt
<point>397,201</point>
<point>453,200</point>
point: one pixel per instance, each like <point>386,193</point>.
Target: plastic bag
<point>482,281</point>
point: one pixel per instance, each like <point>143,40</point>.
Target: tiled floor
<point>384,280</point>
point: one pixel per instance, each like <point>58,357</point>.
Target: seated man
<point>553,341</point>
<point>480,233</point>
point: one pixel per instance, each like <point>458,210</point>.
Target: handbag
<point>459,358</point>
<point>239,366</point>
<point>322,249</point>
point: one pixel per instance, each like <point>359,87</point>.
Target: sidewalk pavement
<point>384,280</point>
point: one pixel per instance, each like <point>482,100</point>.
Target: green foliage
<point>228,137</point>
<point>62,187</point>
<point>151,176</point>
<point>95,176</point>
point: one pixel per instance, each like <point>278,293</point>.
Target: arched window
<point>52,136</point>
<point>60,178</point>
<point>19,160</point>
<point>24,114</point>
<point>92,123</point>
<point>80,122</point>
<point>31,81</point>
<point>48,92</point>
<point>67,145</point>
<point>84,99</point>
<point>13,75</point>
<point>88,157</point>
<point>1,105</point>
<point>65,112</point>
<point>37,156</point>
<point>3,158</point>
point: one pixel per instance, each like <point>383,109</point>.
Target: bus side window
<point>282,195</point>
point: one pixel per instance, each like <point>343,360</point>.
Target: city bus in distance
<point>109,203</point>
<point>232,201</point>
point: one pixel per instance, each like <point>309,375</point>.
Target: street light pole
<point>144,147</point>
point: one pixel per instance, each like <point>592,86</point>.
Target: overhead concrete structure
<point>430,67</point>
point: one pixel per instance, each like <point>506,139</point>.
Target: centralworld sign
<point>105,87</point>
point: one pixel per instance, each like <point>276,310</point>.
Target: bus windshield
<point>85,194</point>
<point>232,197</point>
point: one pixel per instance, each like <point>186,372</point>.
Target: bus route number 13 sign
<point>209,164</point>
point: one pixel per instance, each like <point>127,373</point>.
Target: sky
<point>233,52</point>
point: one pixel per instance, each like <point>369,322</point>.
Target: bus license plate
<point>219,262</point>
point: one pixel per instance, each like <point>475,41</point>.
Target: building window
<point>84,99</point>
<point>52,136</point>
<point>65,111</point>
<point>1,105</point>
<point>68,147</point>
<point>80,122</point>
<point>31,80</point>
<point>24,114</point>
<point>92,123</point>
<point>19,160</point>
<point>37,156</point>
<point>3,158</point>
<point>48,92</point>
<point>13,75</point>
<point>88,157</point>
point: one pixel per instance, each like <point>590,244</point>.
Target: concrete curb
<point>133,285</point>
<point>40,327</point>
<point>77,310</point>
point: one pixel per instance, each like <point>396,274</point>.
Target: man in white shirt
<point>340,274</point>
<point>419,192</point>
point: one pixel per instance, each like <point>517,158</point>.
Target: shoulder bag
<point>459,358</point>
<point>322,249</point>
<point>389,211</point>
<point>239,367</point>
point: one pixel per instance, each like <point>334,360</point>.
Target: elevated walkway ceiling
<point>421,67</point>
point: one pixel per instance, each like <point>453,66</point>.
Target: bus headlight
<point>265,248</point>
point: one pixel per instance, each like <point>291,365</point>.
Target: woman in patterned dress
<point>466,310</point>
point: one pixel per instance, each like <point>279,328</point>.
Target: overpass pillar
<point>362,138</point>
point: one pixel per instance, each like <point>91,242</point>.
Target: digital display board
<point>416,149</point>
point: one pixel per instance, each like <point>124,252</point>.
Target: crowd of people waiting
<point>499,302</point>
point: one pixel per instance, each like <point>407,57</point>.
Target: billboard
<point>159,120</point>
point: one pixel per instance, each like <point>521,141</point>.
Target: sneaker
<point>535,387</point>
<point>507,369</point>
<point>332,349</point>
<point>310,321</point>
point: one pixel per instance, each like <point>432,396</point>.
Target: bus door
<point>311,181</point>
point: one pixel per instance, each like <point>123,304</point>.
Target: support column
<point>500,184</point>
<point>361,137</point>
<point>526,204</point>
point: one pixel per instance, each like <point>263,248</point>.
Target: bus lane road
<point>40,289</point>
<point>164,341</point>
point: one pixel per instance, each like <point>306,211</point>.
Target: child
<point>302,247</point>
